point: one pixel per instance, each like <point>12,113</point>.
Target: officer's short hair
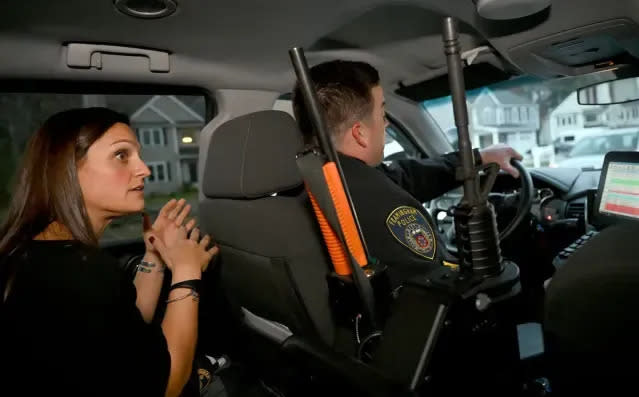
<point>344,93</point>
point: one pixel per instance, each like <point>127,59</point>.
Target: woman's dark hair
<point>46,185</point>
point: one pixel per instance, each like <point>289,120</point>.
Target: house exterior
<point>168,131</point>
<point>502,116</point>
<point>441,110</point>
<point>588,132</point>
<point>495,116</point>
<point>622,115</point>
<point>615,91</point>
<point>570,121</point>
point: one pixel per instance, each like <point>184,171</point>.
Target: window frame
<point>405,137</point>
<point>150,132</point>
<point>116,238</point>
<point>153,167</point>
<point>108,88</point>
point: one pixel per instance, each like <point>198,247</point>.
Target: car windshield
<point>543,120</point>
<point>600,145</point>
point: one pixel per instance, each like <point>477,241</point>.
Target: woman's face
<point>112,174</point>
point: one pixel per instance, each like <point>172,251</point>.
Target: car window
<point>543,120</point>
<point>167,127</point>
<point>397,144</point>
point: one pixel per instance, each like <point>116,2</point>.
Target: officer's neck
<point>355,152</point>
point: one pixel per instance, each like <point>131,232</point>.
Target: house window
<point>160,172</point>
<point>508,116</point>
<point>590,117</point>
<point>568,119</point>
<point>157,137</point>
<point>503,137</point>
<point>635,112</point>
<point>151,136</point>
<point>488,116</point>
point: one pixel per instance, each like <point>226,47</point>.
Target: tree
<point>21,114</point>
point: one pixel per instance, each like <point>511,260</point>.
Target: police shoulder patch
<point>410,227</point>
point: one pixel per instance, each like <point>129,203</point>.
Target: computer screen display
<point>620,191</point>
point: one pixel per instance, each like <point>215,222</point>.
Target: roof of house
<point>166,109</point>
<point>507,97</point>
<point>571,105</point>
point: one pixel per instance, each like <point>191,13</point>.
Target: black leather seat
<point>273,262</point>
<point>591,320</point>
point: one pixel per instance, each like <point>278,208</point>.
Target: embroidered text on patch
<point>410,227</point>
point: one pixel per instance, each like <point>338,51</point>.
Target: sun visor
<point>476,75</point>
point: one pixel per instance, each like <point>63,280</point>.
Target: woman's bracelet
<point>193,293</point>
<point>194,284</point>
<point>147,267</point>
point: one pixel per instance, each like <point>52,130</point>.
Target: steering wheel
<point>526,196</point>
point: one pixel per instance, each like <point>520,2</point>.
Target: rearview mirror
<point>610,92</point>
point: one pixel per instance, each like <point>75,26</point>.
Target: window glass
<point>397,145</point>
<point>173,166</point>
<point>146,137</point>
<point>157,136</point>
<point>549,124</point>
<point>160,168</point>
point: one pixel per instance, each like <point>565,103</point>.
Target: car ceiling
<point>243,44</point>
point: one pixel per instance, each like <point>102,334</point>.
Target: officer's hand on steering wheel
<point>502,155</point>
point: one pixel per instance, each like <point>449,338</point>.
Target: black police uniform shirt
<point>398,231</point>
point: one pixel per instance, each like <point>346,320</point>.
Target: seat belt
<point>328,192</point>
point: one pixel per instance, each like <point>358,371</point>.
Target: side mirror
<point>610,92</point>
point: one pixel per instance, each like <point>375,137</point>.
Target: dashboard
<point>560,193</point>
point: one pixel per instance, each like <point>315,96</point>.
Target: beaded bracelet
<point>146,267</point>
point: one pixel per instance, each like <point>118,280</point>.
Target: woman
<point>71,321</point>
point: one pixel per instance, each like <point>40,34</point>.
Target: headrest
<point>253,156</point>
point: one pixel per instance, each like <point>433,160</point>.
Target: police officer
<point>388,199</point>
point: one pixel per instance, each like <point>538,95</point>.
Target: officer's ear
<point>359,133</point>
